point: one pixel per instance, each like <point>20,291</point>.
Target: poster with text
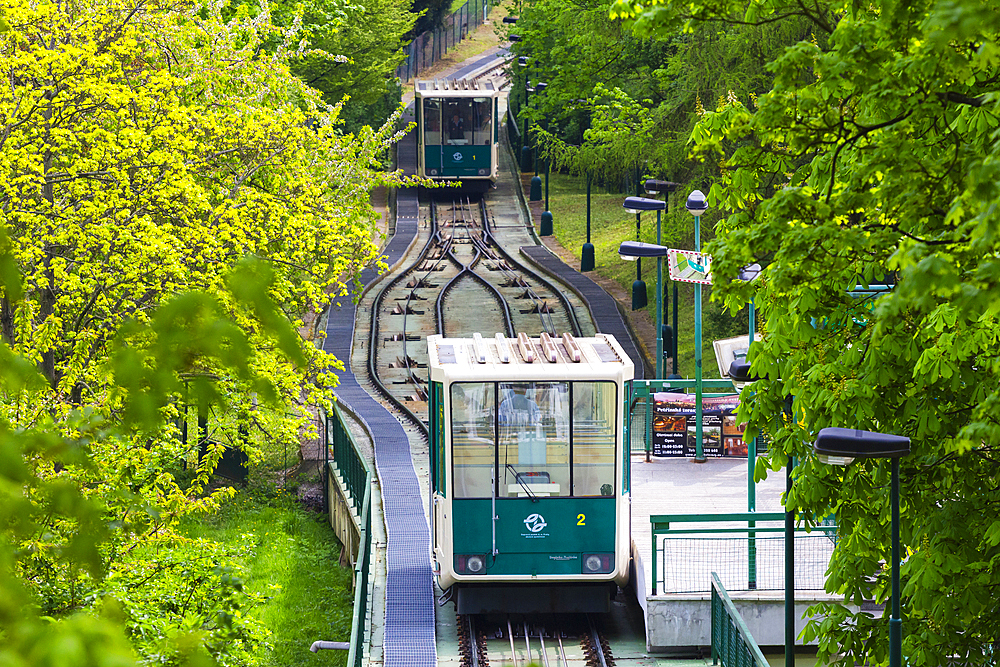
<point>674,426</point>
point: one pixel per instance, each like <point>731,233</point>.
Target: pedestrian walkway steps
<point>409,594</point>
<point>602,306</point>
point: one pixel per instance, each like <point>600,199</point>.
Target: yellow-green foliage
<point>146,149</point>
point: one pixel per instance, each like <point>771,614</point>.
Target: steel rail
<point>436,239</point>
<point>562,649</point>
<point>596,640</point>
<point>510,635</point>
<point>514,276</point>
<point>373,333</point>
<point>469,268</point>
<point>473,642</point>
<point>571,314</point>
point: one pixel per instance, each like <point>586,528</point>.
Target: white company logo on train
<point>535,523</point>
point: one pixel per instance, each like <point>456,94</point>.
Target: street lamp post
<point>840,446</point>
<point>522,61</point>
<point>587,254</point>
<point>747,274</point>
<point>697,206</point>
<point>655,187</point>
<point>739,373</point>
<point>535,191</point>
<point>637,205</point>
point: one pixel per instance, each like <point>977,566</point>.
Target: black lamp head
<point>643,204</point>
<point>739,371</point>
<point>655,187</point>
<point>510,19</point>
<point>632,250</point>
<point>841,446</point>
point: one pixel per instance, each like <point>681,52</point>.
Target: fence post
<point>654,563</point>
<point>324,440</point>
<point>650,407</point>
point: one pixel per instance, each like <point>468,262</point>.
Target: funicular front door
<point>543,527</point>
<point>519,494</point>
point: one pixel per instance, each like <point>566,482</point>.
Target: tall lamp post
<point>669,335</point>
<point>633,250</point>
<point>697,206</point>
<point>587,254</point>
<point>739,374</point>
<point>522,61</point>
<point>840,446</point>
<point>535,191</point>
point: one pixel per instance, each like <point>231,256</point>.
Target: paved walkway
<point>681,486</point>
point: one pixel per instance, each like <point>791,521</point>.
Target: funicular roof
<point>544,356</point>
<point>455,87</point>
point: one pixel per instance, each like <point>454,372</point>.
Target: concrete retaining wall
<point>683,621</point>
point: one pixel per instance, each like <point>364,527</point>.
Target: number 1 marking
<point>581,519</point>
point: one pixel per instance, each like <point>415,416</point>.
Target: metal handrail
<point>646,387</point>
<point>358,477</point>
<point>350,463</point>
<point>660,526</point>
<point>732,643</point>
<point>361,567</point>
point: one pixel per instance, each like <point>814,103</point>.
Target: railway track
<point>461,282</point>
<point>549,641</point>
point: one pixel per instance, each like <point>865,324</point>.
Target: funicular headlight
<point>598,563</point>
<point>470,564</point>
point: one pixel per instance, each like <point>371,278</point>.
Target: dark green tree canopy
<point>875,150</point>
<point>638,94</point>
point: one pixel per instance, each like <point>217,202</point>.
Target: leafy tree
<point>430,15</point>
<point>181,602</point>
<point>627,98</point>
<point>876,150</point>
<point>142,158</point>
<point>353,53</point>
<point>145,150</point>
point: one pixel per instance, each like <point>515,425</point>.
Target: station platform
<point>678,614</point>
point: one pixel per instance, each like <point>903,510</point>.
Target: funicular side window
<point>432,121</point>
<point>595,407</point>
<point>533,419</point>
<point>483,109</point>
<point>473,438</point>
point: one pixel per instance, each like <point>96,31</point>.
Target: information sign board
<point>688,266</point>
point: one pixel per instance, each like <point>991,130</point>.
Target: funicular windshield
<point>458,121</point>
<point>519,439</point>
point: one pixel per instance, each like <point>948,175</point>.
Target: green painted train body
<point>529,468</point>
<point>457,131</point>
<point>571,528</point>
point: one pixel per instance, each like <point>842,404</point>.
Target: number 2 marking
<point>581,519</point>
